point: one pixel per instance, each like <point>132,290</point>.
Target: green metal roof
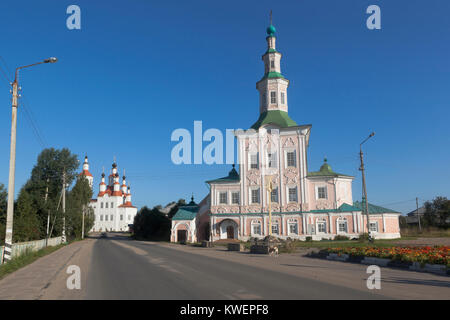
<point>373,209</point>
<point>188,212</point>
<point>326,171</point>
<point>278,117</point>
<point>271,50</point>
<point>272,75</point>
<point>232,176</point>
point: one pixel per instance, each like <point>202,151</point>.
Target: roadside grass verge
<point>25,259</point>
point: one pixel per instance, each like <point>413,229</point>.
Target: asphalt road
<point>116,267</point>
<point>125,269</point>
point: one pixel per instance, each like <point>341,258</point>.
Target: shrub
<point>309,239</point>
<point>341,238</point>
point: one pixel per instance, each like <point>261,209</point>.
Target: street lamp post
<point>12,160</point>
<point>364,182</point>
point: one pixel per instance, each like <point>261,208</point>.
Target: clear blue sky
<point>137,70</point>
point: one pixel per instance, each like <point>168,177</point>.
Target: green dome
<point>325,167</point>
<point>271,30</point>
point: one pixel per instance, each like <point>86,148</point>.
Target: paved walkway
<point>46,277</point>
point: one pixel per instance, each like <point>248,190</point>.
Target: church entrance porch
<point>228,229</point>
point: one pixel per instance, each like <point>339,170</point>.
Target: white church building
<point>113,210</point>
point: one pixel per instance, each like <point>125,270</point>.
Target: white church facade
<point>273,176</point>
<point>113,210</point>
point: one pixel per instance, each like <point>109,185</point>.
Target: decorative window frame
<point>376,224</point>
<point>276,160</point>
<point>322,185</point>
<point>219,193</point>
<point>277,195</point>
<point>232,192</point>
<point>341,219</point>
<point>286,151</point>
<point>321,221</point>
<point>255,223</point>
<point>250,154</point>
<point>290,222</point>
<point>291,186</point>
<point>251,195</point>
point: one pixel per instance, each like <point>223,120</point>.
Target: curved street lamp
<point>12,160</point>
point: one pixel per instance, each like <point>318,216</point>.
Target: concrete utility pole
<point>48,215</point>
<point>12,161</point>
<point>82,223</point>
<point>63,237</point>
<point>364,182</point>
<point>418,216</point>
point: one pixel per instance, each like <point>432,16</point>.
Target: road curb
<point>414,266</point>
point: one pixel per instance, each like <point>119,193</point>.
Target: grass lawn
<point>25,259</point>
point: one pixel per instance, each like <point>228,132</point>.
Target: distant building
<point>316,204</point>
<point>413,216</point>
<point>113,210</point>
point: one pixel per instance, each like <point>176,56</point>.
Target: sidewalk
<point>46,277</point>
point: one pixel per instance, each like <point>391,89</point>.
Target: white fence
<point>21,247</point>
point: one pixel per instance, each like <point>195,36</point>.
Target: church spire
<point>273,86</point>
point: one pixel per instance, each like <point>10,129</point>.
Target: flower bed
<point>430,255</point>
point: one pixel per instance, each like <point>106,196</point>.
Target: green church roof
<point>277,117</point>
<point>187,212</point>
<point>326,171</point>
<point>373,209</point>
<point>232,176</point>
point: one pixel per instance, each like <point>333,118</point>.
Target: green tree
<point>151,224</point>
<point>46,178</point>
<point>78,201</point>
<point>26,222</point>
<point>437,212</point>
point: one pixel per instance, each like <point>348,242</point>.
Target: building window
<point>106,205</point>
<point>223,198</point>
<point>235,197</point>
<point>101,205</point>
<point>101,217</point>
<point>373,226</point>
<point>290,156</point>
<point>256,228</point>
<point>129,217</point>
<point>342,225</point>
<point>275,228</point>
<point>112,204</point>
<point>283,98</point>
<point>272,159</point>
<point>255,195</point>
<point>264,99</point>
<point>273,97</point>
<point>274,195</point>
<point>106,217</point>
<point>293,194</point>
<point>321,192</point>
<point>121,217</point>
<point>272,64</point>
<point>254,161</point>
<point>112,217</point>
<point>321,227</point>
<point>293,227</point>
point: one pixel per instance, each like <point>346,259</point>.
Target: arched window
<point>256,227</point>
<point>292,226</point>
